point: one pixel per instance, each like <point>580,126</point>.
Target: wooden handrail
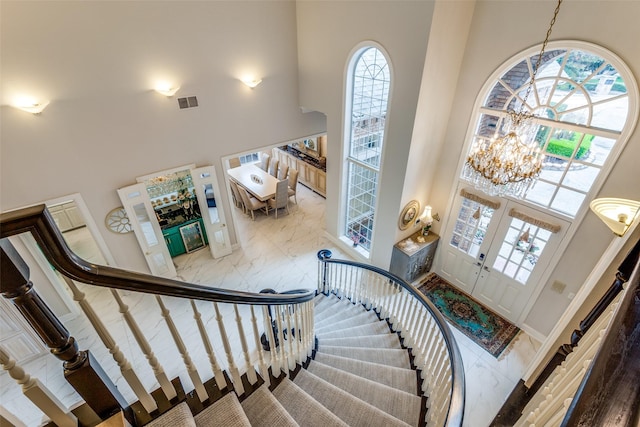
<point>609,390</point>
<point>38,221</point>
<point>455,412</point>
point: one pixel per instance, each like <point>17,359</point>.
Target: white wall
<point>328,31</point>
<point>97,62</point>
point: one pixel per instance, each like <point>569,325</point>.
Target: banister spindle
<point>188,363</point>
<point>282,348</point>
<point>274,354</point>
<point>221,382</point>
<point>264,370</point>
<point>158,371</point>
<point>37,393</point>
<point>251,372</point>
<point>233,368</point>
<point>127,371</point>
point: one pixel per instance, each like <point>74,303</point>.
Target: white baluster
<point>273,351</point>
<point>35,391</point>
<point>188,363</point>
<point>107,339</point>
<point>221,381</point>
<point>233,368</point>
<point>282,345</point>
<point>291,357</point>
<point>251,372</point>
<point>167,388</point>
<point>264,370</point>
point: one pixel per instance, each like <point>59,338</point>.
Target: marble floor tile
<point>278,254</point>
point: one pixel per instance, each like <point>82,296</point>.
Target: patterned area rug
<point>488,329</point>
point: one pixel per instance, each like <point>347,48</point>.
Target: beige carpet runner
<point>360,376</point>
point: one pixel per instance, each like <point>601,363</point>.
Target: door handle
<point>478,263</point>
<point>486,269</point>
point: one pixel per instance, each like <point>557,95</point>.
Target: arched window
<point>583,105</point>
<point>366,107</point>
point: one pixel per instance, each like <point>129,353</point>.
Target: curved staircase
<point>360,375</point>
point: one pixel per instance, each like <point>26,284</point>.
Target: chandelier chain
<point>539,61</point>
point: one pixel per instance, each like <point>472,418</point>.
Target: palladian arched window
<point>582,103</point>
<point>368,83</point>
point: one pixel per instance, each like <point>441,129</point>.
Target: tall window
<point>582,105</point>
<point>369,84</point>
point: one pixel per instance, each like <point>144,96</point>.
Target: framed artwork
<point>409,214</point>
<point>310,144</point>
<point>192,237</point>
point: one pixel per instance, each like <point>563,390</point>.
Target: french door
<point>497,251</point>
<point>137,204</point>
<point>208,192</point>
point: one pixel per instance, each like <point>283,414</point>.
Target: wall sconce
<point>166,89</point>
<point>31,106</point>
<point>251,82</point>
<point>617,214</point>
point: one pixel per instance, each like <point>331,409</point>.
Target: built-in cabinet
<point>412,257</point>
<point>174,239</point>
<point>67,216</point>
<point>310,171</point>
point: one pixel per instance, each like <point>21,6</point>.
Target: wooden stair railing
<point>515,403</point>
<point>81,369</point>
<point>420,325</point>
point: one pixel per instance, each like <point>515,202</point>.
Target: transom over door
<point>497,252</point>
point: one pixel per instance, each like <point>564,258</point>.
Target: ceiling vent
<point>188,102</point>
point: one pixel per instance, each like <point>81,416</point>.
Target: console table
<point>412,257</point>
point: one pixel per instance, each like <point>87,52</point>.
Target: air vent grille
<point>187,102</point>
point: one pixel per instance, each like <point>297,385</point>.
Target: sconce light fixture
<point>30,105</point>
<point>166,89</point>
<point>617,214</point>
<point>251,82</point>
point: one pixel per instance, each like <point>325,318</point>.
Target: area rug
<point>489,330</point>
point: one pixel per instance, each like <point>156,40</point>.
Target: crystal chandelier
<point>507,165</point>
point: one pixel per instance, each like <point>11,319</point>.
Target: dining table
<point>259,183</point>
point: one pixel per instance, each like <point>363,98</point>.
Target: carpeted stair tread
<point>226,411</point>
<point>384,356</point>
<point>178,416</point>
<point>351,410</point>
<point>388,341</point>
<point>304,409</point>
<point>326,305</point>
<point>337,313</point>
<point>376,328</point>
<point>342,322</point>
<point>399,404</point>
<point>263,409</point>
<point>399,378</point>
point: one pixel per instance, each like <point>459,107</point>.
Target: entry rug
<point>488,329</point>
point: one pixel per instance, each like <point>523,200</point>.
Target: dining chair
<point>234,162</point>
<point>251,203</point>
<point>293,184</point>
<point>235,195</point>
<point>264,161</point>
<point>283,171</point>
<point>281,199</point>
<point>273,167</point>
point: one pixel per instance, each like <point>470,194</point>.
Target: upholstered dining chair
<point>264,161</point>
<point>293,185</point>
<point>251,203</point>
<point>235,195</point>
<point>283,171</point>
<point>273,167</point>
<point>281,199</point>
<point>234,162</point>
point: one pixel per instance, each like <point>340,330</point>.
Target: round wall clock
<point>118,221</point>
<point>409,214</point>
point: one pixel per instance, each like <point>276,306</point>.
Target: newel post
<point>81,370</point>
<point>323,255</point>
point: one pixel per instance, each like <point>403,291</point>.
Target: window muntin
<point>370,83</point>
<point>582,104</point>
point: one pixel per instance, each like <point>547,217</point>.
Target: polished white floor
<point>278,254</point>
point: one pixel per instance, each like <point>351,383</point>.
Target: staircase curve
<point>362,349</point>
